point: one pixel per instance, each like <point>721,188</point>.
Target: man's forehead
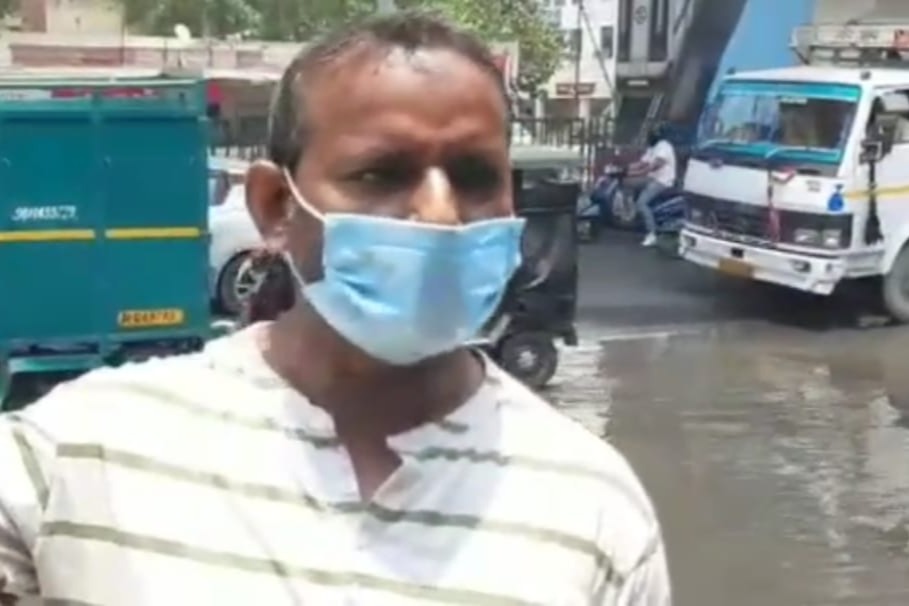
<point>371,80</point>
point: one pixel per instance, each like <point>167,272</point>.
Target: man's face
<point>417,136</point>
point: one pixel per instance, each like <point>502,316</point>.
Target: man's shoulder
<point>108,399</point>
<point>534,428</point>
<point>588,475</point>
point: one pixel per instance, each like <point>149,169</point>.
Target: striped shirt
<point>205,479</point>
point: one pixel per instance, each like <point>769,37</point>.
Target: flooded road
<point>778,458</point>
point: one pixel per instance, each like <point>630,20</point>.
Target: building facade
<point>71,17</point>
<point>583,83</point>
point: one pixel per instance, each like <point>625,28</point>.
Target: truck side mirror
<point>872,151</point>
<point>881,137</point>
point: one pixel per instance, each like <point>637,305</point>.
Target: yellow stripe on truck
<point>48,235</point>
<point>83,235</point>
<point>154,233</point>
<point>883,192</point>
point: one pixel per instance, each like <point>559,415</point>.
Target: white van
<point>800,176</point>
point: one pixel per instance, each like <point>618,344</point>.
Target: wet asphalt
<point>771,429</point>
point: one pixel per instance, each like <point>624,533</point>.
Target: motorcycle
<point>610,202</point>
<point>607,199</point>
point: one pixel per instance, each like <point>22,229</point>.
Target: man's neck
<point>365,396</point>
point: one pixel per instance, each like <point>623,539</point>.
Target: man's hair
<point>408,31</point>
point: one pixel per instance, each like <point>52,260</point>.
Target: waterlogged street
<point>777,452</point>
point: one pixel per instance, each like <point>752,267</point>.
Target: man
<point>657,168</point>
<point>353,450</point>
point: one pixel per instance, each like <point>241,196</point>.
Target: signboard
<point>570,89</point>
<point>853,36</point>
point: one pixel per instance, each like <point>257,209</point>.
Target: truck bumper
<point>818,275</point>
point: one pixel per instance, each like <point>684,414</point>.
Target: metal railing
<point>593,138</point>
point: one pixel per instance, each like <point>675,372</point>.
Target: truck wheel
<point>530,357</point>
<point>896,288</point>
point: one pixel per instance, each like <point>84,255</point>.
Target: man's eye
<point>381,177</point>
<point>474,176</point>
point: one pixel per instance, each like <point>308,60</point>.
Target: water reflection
<point>779,461</point>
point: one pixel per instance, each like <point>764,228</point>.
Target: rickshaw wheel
<point>530,357</point>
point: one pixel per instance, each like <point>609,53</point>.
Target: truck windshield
<point>808,123</point>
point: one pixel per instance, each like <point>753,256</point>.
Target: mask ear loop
<point>309,209</point>
<point>295,192</point>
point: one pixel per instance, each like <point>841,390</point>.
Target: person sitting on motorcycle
<point>657,167</point>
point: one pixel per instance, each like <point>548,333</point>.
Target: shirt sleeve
<point>25,453</point>
<point>648,584</point>
<point>663,151</point>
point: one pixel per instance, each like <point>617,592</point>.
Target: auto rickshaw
<point>103,224</point>
<point>540,306</point>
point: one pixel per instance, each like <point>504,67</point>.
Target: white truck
<point>800,176</point>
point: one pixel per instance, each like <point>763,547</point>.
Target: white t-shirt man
<point>206,479</point>
<point>662,153</point>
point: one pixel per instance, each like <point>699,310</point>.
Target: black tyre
<point>896,288</point>
<point>532,358</point>
<point>234,285</point>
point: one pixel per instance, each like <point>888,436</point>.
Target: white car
<point>233,236</point>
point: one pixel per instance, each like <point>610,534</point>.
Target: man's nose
<point>435,200</point>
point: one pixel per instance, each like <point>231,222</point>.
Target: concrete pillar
<point>539,107</point>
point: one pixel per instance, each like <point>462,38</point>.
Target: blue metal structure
<point>761,39</point>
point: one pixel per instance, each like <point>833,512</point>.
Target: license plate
<point>151,318</point>
<point>734,267</point>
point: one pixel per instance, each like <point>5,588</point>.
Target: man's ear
<point>268,201</point>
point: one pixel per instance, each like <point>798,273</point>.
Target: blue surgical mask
<point>404,291</point>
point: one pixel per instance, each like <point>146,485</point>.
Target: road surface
<point>771,432</point>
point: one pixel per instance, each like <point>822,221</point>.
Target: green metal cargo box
<point>103,222</point>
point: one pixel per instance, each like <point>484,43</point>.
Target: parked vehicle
<point>233,236</point>
<point>611,203</point>
<point>103,225</point>
<point>539,308</point>
<point>801,175</point>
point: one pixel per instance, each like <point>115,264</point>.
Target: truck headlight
<point>696,215</point>
<point>806,237</point>
<point>832,238</point>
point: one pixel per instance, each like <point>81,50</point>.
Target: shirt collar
<point>465,427</point>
